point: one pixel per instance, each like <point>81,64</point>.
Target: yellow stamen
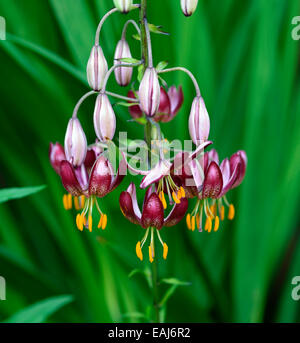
<point>76,203</point>
<point>82,201</point>
<point>69,201</point>
<point>179,196</point>
<point>100,222</point>
<point>80,222</point>
<point>208,224</point>
<point>150,254</point>
<point>65,201</point>
<point>90,220</point>
<point>83,219</point>
<point>104,222</point>
<point>193,223</point>
<point>188,221</point>
<point>222,214</point>
<point>231,212</point>
<point>182,192</point>
<point>198,221</point>
<point>139,251</point>
<point>175,198</point>
<point>217,223</point>
<point>166,249</point>
<point>213,210</point>
<point>162,199</point>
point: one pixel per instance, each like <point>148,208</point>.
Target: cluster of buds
<point>87,172</point>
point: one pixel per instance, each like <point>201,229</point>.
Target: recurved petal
<point>238,158</point>
<point>160,170</point>
<point>225,169</point>
<point>153,212</point>
<point>90,159</point>
<point>122,171</point>
<point>127,207</point>
<point>135,110</point>
<point>213,182</point>
<point>69,179</point>
<point>233,177</point>
<point>56,155</point>
<point>176,98</point>
<point>213,156</point>
<point>177,213</point>
<point>101,177</point>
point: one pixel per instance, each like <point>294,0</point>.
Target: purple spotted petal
<point>235,159</point>
<point>153,212</point>
<point>177,213</point>
<point>56,155</point>
<point>213,182</point>
<point>101,177</point>
<point>127,207</point>
<point>69,179</point>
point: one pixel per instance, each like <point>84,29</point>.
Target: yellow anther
<point>231,212</point>
<point>208,224</point>
<point>76,203</point>
<point>162,199</point>
<point>90,220</point>
<point>82,200</point>
<point>65,201</point>
<point>222,214</point>
<point>150,254</point>
<point>193,223</point>
<point>80,222</point>
<point>213,210</point>
<point>188,221</point>
<point>174,196</point>
<point>179,196</point>
<point>198,221</point>
<point>217,223</point>
<point>139,251</point>
<point>165,253</point>
<point>100,221</point>
<point>182,192</point>
<point>69,196</point>
<point>83,219</point>
<point>104,221</point>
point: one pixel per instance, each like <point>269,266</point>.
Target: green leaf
<point>161,65</point>
<point>40,311</point>
<point>126,104</point>
<point>157,29</point>
<point>174,281</point>
<point>140,72</point>
<point>128,60</point>
<point>136,36</point>
<point>7,194</point>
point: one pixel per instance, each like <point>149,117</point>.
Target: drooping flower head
<point>151,217</point>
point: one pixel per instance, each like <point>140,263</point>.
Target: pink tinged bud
<point>123,6</point>
<point>104,118</point>
<point>199,123</point>
<point>75,143</point>
<point>123,74</point>
<point>56,155</point>
<point>188,7</point>
<point>96,68</point>
<point>149,92</point>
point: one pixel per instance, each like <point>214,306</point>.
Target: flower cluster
<point>88,173</point>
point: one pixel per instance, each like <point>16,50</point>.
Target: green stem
<point>148,129</point>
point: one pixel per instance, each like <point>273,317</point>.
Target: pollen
<point>208,224</point>
<point>182,192</point>
<point>163,199</point>
<point>231,212</point>
<point>69,200</point>
<point>217,223</point>
<point>165,252</point>
<point>188,221</point>
<point>193,223</point>
<point>222,212</point>
<point>65,202</point>
<point>100,221</point>
<point>150,254</point>
<point>139,251</point>
<point>174,196</point>
<point>104,221</point>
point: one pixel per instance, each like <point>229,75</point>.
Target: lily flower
<point>211,188</point>
<point>151,217</point>
<point>170,104</point>
<point>93,179</point>
<point>162,175</point>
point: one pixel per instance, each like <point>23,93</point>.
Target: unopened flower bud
<point>75,143</point>
<point>96,68</point>
<point>123,6</point>
<point>199,123</point>
<point>122,74</point>
<point>188,7</point>
<point>104,118</point>
<point>149,92</point>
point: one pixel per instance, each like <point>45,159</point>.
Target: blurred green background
<point>247,65</point>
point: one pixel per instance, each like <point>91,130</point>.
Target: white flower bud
<point>104,118</point>
<point>123,74</point>
<point>75,143</point>
<point>199,123</point>
<point>149,92</point>
<point>188,7</point>
<point>123,6</point>
<point>96,68</point>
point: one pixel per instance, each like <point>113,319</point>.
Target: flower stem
<point>81,100</point>
<point>154,279</point>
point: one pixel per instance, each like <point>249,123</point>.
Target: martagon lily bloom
<point>93,179</point>
<point>170,104</point>
<point>151,217</point>
<point>211,187</point>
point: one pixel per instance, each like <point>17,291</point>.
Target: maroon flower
<point>151,217</point>
<point>170,104</point>
<point>93,179</point>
